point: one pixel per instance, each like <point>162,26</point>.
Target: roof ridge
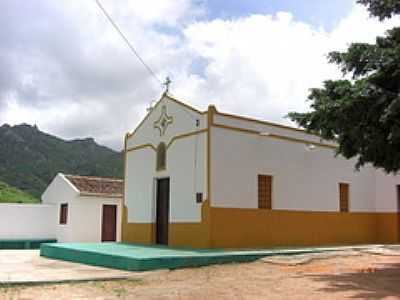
<point>93,177</point>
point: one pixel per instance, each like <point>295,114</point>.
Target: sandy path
<point>354,277</point>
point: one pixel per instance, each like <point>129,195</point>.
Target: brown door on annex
<point>109,226</point>
<point>162,211</point>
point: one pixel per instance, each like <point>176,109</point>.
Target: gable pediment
<point>168,118</point>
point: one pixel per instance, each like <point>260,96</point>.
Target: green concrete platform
<point>134,257</point>
<point>24,243</point>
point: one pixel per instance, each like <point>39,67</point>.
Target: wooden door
<point>398,197</point>
<point>264,191</point>
<point>109,223</point>
<point>398,211</point>
<point>344,197</point>
<point>162,211</point>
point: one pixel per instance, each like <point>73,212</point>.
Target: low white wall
<point>27,221</point>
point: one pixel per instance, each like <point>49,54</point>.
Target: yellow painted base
<point>234,228</point>
<point>248,228</point>
<point>136,232</point>
<point>193,235</point>
<point>388,228</point>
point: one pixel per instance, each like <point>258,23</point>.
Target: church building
<point>208,179</point>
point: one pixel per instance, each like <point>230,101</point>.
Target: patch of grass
<point>9,194</point>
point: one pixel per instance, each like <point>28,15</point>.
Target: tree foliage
<point>382,8</point>
<point>362,114</point>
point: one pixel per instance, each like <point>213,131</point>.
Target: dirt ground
<point>17,266</point>
<point>355,275</point>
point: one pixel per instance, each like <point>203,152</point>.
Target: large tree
<point>362,114</point>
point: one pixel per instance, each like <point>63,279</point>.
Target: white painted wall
<point>27,221</point>
<point>386,192</point>
<point>303,179</point>
<point>187,171</point>
<point>84,219</point>
<point>187,177</point>
<point>60,191</point>
<point>186,167</point>
<point>140,167</point>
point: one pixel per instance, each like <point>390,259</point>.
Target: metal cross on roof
<point>167,83</point>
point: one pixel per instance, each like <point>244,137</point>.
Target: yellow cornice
<point>210,121</point>
<point>248,119</point>
<point>181,136</point>
<point>141,147</point>
<point>175,138</point>
<point>275,136</point>
<point>124,160</point>
<point>184,104</point>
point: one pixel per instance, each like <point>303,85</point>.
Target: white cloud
<point>74,77</point>
<point>263,66</point>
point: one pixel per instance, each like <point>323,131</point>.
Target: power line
<point>127,41</point>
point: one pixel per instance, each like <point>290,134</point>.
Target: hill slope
<point>29,158</point>
<point>9,194</point>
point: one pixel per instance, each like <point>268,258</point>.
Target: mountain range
<point>30,158</point>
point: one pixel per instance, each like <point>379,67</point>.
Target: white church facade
<point>208,179</point>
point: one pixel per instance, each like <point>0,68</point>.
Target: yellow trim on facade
<point>210,123</point>
<point>116,196</point>
<point>263,122</point>
<point>244,130</point>
<point>145,117</point>
<point>175,138</point>
<point>185,104</point>
<point>296,140</point>
<point>276,136</point>
<point>141,147</point>
<point>185,135</point>
<point>124,170</point>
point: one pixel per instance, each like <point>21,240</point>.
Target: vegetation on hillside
<point>29,158</point>
<point>9,194</point>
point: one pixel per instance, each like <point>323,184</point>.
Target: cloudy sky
<point>64,68</point>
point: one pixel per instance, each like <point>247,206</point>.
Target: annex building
<point>208,179</point>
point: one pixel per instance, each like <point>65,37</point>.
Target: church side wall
<point>305,195</point>
<point>303,179</point>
